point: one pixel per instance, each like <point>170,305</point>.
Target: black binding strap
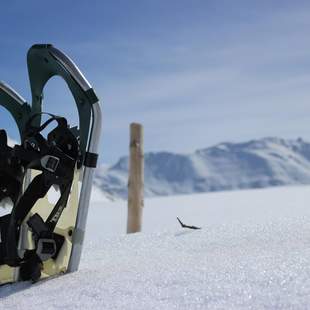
<point>11,172</point>
<point>4,224</point>
<point>62,122</point>
<point>37,189</point>
<point>90,160</point>
<point>56,158</point>
<point>54,216</point>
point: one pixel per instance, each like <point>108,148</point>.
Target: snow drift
<point>252,253</point>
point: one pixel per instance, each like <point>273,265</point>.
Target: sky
<point>194,73</point>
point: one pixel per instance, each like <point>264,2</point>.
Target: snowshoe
<point>40,239</point>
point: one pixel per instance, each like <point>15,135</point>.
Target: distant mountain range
<point>226,166</point>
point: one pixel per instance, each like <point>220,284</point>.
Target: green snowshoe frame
<point>45,61</point>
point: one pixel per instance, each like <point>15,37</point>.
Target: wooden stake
<point>136,179</point>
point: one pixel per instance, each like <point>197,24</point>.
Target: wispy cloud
<point>254,85</point>
<point>194,74</point>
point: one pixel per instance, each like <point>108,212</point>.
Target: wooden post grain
<point>136,179</point>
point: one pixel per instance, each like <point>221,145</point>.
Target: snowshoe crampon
<point>39,239</point>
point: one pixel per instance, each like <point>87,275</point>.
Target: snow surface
<point>252,253</point>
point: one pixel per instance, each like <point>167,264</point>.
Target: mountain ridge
<point>257,163</point>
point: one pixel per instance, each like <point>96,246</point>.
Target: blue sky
<point>195,73</point>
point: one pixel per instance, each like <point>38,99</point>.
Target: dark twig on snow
<point>187,226</point>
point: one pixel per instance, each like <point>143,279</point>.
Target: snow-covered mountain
<point>226,166</point>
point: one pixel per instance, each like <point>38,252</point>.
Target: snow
<point>252,252</point>
<point>258,163</point>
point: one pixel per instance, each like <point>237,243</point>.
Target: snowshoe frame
<point>45,61</point>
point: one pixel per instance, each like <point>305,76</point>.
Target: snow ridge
<point>227,166</point>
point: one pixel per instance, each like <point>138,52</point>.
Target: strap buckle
<point>50,162</point>
<point>46,248</point>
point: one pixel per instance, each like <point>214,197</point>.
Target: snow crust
<point>251,253</point>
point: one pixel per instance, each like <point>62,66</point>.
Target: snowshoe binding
<point>40,239</point>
